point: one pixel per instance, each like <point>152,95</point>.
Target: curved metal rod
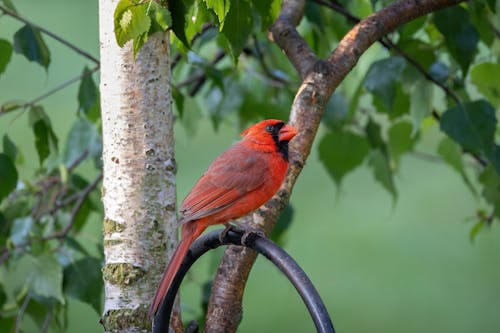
<point>268,249</point>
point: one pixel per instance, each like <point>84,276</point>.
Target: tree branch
<point>9,108</point>
<point>51,34</point>
<point>389,44</point>
<point>320,79</point>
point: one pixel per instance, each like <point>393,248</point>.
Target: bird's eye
<point>269,128</point>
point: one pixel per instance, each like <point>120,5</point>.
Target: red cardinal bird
<point>240,180</point>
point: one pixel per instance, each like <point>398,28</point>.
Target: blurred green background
<point>380,265</point>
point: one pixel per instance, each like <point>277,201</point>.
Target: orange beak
<point>286,133</point>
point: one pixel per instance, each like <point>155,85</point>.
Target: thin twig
<point>263,64</point>
<point>78,204</point>
<point>178,56</point>
<point>21,312</point>
<point>63,85</point>
<point>51,34</point>
<point>388,44</point>
<point>218,57</point>
<point>46,321</point>
<point>64,231</point>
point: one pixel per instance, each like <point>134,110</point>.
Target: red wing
<point>233,174</point>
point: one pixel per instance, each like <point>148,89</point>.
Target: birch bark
<point>138,191</point>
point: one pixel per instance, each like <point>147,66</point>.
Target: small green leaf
<point>407,30</point>
<point>88,97</point>
<point>28,41</point>
<point>475,230</point>
<point>486,77</point>
<point>45,278</point>
<point>131,21</point>
<point>420,50</point>
<point>162,17</point>
<point>282,225</point>
<point>45,138</point>
<point>220,8</point>
<point>9,5</point>
<point>5,54</point>
<point>422,93</point>
<point>336,111</point>
<point>472,125</point>
<point>178,12</point>
<point>268,10</point>
<point>9,148</point>
<point>490,180</point>
<point>382,171</point>
<point>21,228</point>
<point>237,27</point>
<point>452,154</point>
<point>382,79</point>
<point>8,176</point>
<point>179,100</point>
<point>400,139</point>
<point>41,140</point>
<point>82,136</point>
<point>461,37</point>
<point>341,152</point>
<point>83,281</point>
<point>374,135</point>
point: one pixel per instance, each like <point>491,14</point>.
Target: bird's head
<point>270,134</point>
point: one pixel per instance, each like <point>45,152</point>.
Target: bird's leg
<point>223,234</point>
<point>248,230</point>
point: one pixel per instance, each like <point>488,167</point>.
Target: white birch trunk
<point>138,191</point>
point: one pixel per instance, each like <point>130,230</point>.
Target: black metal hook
<point>268,249</point>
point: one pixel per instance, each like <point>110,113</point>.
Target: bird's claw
<point>224,232</point>
<point>248,231</point>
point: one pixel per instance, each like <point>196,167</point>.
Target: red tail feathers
<point>190,231</point>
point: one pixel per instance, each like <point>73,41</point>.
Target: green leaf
<point>476,229</point>
<point>486,77</point>
<point>9,148</point>
<point>83,281</point>
<point>41,140</point>
<point>160,17</point>
<point>461,37</point>
<point>422,93</point>
<point>400,140</point>
<point>478,11</point>
<point>9,5</point>
<point>268,10</point>
<point>382,171</point>
<point>220,8</point>
<point>420,50</point>
<point>88,97</point>
<point>8,176</point>
<point>342,152</point>
<point>490,180</point>
<point>45,277</point>
<point>28,41</point>
<point>452,154</point>
<point>5,54</point>
<point>282,225</point>
<point>237,27</point>
<point>82,136</point>
<point>336,111</point>
<point>179,100</point>
<point>178,11</point>
<point>131,21</point>
<point>45,138</point>
<point>374,135</point>
<point>472,125</point>
<point>407,30</point>
<point>21,228</point>
<point>382,79</point>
